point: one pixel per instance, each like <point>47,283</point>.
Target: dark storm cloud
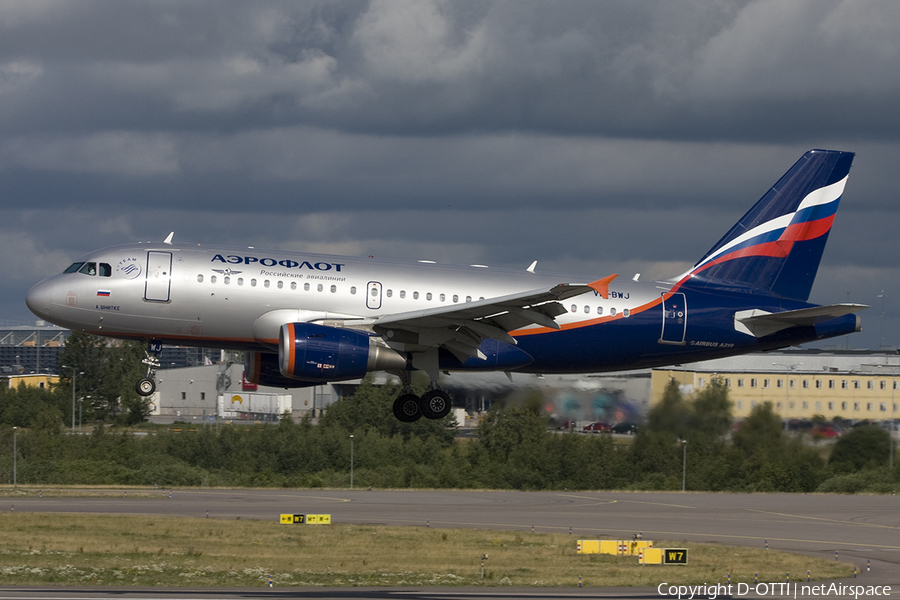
<point>688,70</point>
<point>584,135</point>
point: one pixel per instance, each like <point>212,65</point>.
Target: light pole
<point>683,464</point>
<point>73,392</point>
<point>14,457</point>
<point>351,462</point>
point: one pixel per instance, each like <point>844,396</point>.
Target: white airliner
<point>306,319</point>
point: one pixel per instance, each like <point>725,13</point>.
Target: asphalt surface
<point>864,530</point>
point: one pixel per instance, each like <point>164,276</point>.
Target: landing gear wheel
<point>407,409</point>
<point>145,386</point>
<point>435,404</point>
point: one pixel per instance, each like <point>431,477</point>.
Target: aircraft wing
<point>460,328</point>
<point>760,323</point>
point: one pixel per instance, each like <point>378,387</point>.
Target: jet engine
<point>317,353</point>
<point>310,354</point>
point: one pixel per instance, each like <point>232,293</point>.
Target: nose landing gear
<point>147,385</point>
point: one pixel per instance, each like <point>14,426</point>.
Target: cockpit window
<point>90,268</point>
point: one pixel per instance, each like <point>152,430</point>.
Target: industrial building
<point>853,385</point>
<point>41,381</point>
<point>220,390</point>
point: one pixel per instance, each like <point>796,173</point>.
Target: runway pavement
<point>861,529</point>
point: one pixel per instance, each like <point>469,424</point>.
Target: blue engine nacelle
<point>318,354</point>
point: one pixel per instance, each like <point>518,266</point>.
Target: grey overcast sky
<point>594,137</point>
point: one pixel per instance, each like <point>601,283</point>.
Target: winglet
<point>531,268</point>
<point>601,286</point>
<point>168,239</point>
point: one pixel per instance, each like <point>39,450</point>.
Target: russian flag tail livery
<point>776,247</point>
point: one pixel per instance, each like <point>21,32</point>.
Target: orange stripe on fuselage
<point>588,322</point>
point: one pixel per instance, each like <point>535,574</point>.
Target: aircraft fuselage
<point>238,298</point>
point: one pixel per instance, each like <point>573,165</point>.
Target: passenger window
<point>415,295</point>
<point>200,278</point>
<point>280,284</point>
<point>319,288</point>
<point>105,270</point>
<point>612,312</point>
<point>293,285</point>
<point>89,268</point>
<point>73,268</point>
<point>428,296</point>
<point>305,287</point>
<point>333,289</point>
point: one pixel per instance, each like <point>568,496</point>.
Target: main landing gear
<point>434,404</point>
<point>147,385</point>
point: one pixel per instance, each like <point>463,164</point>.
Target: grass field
<point>68,549</point>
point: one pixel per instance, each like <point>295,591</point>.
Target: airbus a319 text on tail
<point>307,319</point>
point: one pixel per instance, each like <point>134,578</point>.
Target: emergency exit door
<point>373,295</point>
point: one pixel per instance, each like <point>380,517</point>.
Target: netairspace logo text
<point>775,590</point>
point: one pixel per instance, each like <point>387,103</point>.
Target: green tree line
<point>690,438</point>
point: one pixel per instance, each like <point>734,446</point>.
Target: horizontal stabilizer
<point>760,323</point>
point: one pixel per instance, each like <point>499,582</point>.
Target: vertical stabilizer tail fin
<point>776,247</point>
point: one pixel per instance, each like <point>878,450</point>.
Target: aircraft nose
<point>38,300</point>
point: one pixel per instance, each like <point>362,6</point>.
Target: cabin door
<point>159,276</point>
